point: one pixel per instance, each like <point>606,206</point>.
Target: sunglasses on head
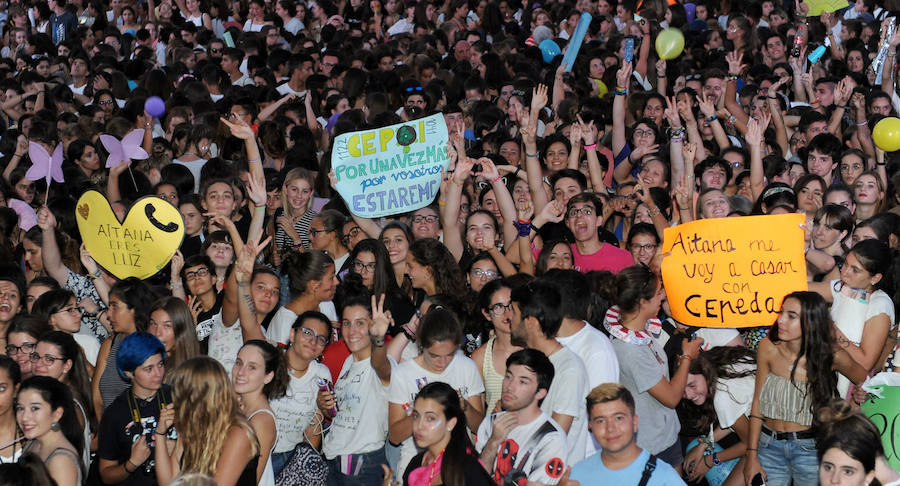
<point>413,88</point>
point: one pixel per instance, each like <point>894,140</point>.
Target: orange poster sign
<point>733,272</point>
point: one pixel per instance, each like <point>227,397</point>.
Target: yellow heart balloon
<point>669,43</point>
<point>138,247</point>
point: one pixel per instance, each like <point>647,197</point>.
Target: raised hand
<point>239,129</point>
<point>640,151</point>
<point>45,219</point>
<point>539,98</point>
<point>707,107</point>
<point>488,169</point>
<point>89,264</point>
<point>689,153</point>
<point>754,136</point>
<point>671,113</point>
<point>587,131</point>
<point>256,190</point>
<point>735,63</point>
<point>380,320</point>
<point>176,265</point>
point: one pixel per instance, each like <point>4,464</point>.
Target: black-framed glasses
<point>201,272</point>
<point>587,211</point>
<point>46,359</point>
<point>359,266</point>
<point>315,232</point>
<point>430,219</point>
<point>643,248</point>
<point>71,310</point>
<point>310,335</point>
<point>499,308</point>
<point>26,348</point>
<point>345,239</point>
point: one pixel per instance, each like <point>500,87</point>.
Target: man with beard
<point>522,443</point>
<point>615,426</point>
<point>537,316</point>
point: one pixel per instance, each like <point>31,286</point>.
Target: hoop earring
<point>55,427</point>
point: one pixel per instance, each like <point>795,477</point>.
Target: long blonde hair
<point>206,406</point>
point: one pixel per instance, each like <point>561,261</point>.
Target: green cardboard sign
<point>885,414</point>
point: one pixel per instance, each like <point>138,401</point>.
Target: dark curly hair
<point>721,362</point>
<point>448,278</point>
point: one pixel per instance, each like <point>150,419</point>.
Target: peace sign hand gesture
<point>380,320</point>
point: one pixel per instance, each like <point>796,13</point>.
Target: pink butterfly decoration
<point>43,166</point>
<point>129,148</point>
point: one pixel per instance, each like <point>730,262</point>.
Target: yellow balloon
<point>669,43</point>
<point>887,134</point>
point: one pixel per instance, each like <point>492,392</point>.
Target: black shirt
<point>118,431</point>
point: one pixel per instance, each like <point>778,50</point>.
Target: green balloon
<point>669,43</point>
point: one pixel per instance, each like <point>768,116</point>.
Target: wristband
<point>712,118</point>
<point>496,180</point>
<point>516,173</point>
<point>96,274</point>
<point>590,147</point>
<point>621,92</point>
<point>660,76</point>
<point>442,203</point>
<point>257,159</point>
<point>862,123</point>
<point>880,164</point>
<point>533,156</point>
<point>705,457</point>
<point>524,229</point>
<point>535,228</point>
<point>378,342</point>
<point>176,285</point>
<point>159,433</point>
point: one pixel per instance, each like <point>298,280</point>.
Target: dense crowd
<point>514,330</point>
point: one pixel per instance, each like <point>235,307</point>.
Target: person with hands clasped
<point>126,439</point>
<point>354,445</point>
<point>522,443</point>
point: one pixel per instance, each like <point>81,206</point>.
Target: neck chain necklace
<point>134,400</point>
<point>16,440</point>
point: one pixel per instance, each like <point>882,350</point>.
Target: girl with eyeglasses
<point>297,417</point>
<point>58,356</point>
<point>643,243</point>
<point>370,262</point>
<point>21,337</point>
<point>494,303</point>
<point>63,313</point>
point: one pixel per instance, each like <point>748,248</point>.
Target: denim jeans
<point>784,460</point>
<point>366,469</point>
<point>280,459</point>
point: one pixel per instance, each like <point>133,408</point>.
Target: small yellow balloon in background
<point>669,43</point>
<point>887,134</point>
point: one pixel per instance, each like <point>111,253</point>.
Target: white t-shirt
<point>225,341</point>
<point>90,345</point>
<point>408,378</point>
<point>294,25</point>
<point>543,438</point>
<point>596,353</point>
<point>285,88</point>
<point>295,410</point>
<point>279,331</point>
<point>361,424</point>
<point>567,397</point>
<point>850,316</point>
<point>249,26</point>
<point>734,396</point>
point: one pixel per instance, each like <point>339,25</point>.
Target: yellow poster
<point>816,7</point>
<point>139,246</point>
<point>733,272</point>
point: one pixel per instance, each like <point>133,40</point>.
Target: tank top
<point>60,451</point>
<point>268,475</point>
<point>782,399</point>
<point>111,384</point>
<point>493,382</point>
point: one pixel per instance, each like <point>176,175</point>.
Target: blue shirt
<point>592,471</point>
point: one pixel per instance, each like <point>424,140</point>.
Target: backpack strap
<point>649,467</point>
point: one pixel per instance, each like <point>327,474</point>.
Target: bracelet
<point>18,155</point>
<point>254,160</point>
<point>661,76</point>
<point>655,212</point>
<point>814,103</point>
<point>591,146</point>
<point>750,449</point>
<point>880,164</point>
<point>844,107</point>
<point>460,184</point>
<point>756,417</point>
<point>621,92</point>
<point>125,466</point>
<point>441,202</point>
<point>676,139</point>
<point>772,97</point>
<point>159,433</point>
<point>533,156</point>
<point>676,132</point>
<point>706,463</point>
<point>682,356</point>
<point>516,173</point>
<point>496,180</point>
<point>176,285</point>
<point>535,228</point>
<point>732,77</point>
<point>96,274</point>
<point>378,342</point>
<point>862,123</point>
<point>409,335</point>
<point>712,118</point>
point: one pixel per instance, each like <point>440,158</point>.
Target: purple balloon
<point>155,106</point>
